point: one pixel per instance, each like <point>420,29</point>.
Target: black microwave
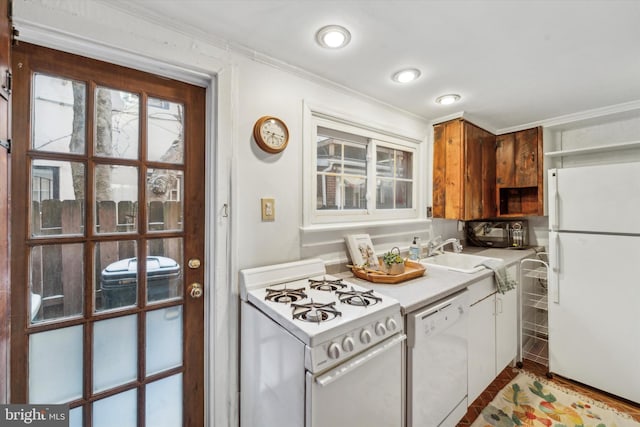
<point>497,233</point>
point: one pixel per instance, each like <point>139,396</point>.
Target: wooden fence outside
<point>57,269</point>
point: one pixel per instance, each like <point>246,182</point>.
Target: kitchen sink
<point>464,263</point>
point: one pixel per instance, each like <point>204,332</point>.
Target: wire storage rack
<point>534,325</point>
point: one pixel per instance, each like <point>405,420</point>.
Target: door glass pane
<point>58,114</point>
<point>165,206</point>
<point>117,116</point>
<point>116,282</point>
<point>115,352</point>
<point>163,403</point>
<point>118,410</point>
<point>56,277</point>
<point>164,269</point>
<point>75,417</point>
<point>116,193</point>
<point>57,198</point>
<point>164,339</point>
<point>166,131</point>
<point>55,365</point>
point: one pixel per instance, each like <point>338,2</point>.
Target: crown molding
<point>573,119</point>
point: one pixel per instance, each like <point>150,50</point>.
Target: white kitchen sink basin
<point>464,263</point>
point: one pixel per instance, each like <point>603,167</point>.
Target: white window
<point>356,173</point>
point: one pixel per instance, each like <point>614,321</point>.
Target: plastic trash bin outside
<point>119,285</point>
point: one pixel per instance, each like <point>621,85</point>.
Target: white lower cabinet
<point>493,332</point>
<point>506,327</point>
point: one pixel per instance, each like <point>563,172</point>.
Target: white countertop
<point>438,283</point>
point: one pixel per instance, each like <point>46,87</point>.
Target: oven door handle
<point>336,373</point>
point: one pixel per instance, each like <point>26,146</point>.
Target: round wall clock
<point>271,134</point>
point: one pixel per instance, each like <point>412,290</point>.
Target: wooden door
<point>5,138</point>
<point>107,238</point>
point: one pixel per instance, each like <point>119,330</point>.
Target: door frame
<point>221,366</point>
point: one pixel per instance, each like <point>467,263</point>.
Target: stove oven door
<point>364,391</point>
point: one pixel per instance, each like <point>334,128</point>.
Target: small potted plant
<point>392,262</point>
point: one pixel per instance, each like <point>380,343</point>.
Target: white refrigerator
<point>594,278</point>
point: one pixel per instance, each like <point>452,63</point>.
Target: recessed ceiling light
<point>333,36</point>
<point>407,75</point>
<point>447,99</point>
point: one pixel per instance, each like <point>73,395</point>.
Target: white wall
<point>264,90</point>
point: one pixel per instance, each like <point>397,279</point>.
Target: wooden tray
<point>411,270</point>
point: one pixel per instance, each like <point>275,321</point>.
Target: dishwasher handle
<point>342,370</point>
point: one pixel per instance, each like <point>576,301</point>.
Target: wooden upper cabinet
<point>463,171</point>
<point>519,169</point>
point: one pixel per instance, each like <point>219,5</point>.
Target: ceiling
<point>514,62</point>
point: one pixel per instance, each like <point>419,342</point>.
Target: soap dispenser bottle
<point>414,250</point>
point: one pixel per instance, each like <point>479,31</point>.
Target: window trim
<point>378,134</point>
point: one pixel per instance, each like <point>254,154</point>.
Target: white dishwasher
<point>437,363</point>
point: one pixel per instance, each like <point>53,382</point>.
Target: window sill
<point>408,224</point>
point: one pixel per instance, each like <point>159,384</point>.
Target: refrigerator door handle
<point>555,270</point>
<point>555,224</point>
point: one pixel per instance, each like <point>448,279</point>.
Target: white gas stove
<point>304,333</point>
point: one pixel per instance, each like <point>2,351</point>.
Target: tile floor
<point>509,373</point>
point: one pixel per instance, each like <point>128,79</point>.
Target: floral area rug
<point>534,402</point>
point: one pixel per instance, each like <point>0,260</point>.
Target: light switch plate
<point>268,209</point>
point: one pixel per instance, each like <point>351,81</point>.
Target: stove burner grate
<point>358,298</point>
<point>326,284</point>
<point>315,312</point>
<point>284,295</point>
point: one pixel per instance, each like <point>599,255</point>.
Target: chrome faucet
<point>433,246</point>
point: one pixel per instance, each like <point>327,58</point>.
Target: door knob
<point>195,290</point>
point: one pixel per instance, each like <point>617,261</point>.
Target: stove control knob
<point>380,329</point>
<point>365,337</point>
<point>333,351</point>
<point>391,324</point>
<point>347,344</point>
